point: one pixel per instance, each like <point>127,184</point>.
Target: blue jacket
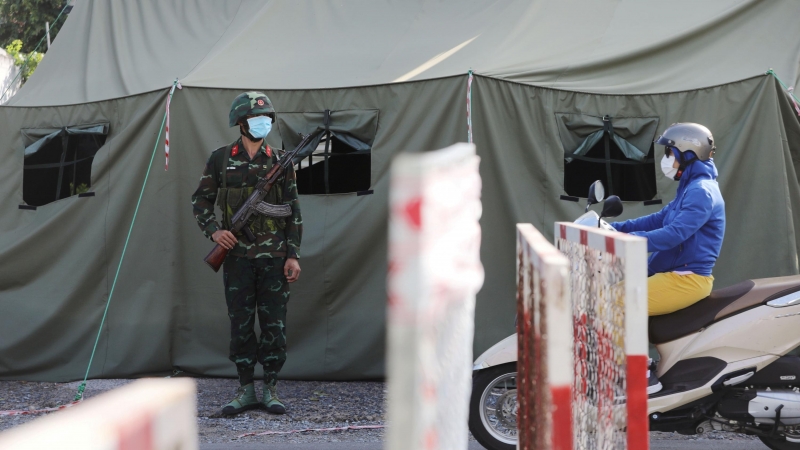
<point>686,235</point>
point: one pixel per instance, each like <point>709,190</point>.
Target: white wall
<point>8,72</point>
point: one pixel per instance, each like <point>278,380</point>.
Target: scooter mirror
<point>597,193</point>
<point>612,207</point>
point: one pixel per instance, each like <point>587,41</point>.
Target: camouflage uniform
<point>253,271</point>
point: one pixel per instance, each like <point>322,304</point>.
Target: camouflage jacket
<point>274,237</point>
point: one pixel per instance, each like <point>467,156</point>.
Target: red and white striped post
<point>544,344</point>
<point>148,414</point>
<point>434,274</point>
<point>629,253</point>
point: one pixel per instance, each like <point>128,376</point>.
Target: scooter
<point>723,367</point>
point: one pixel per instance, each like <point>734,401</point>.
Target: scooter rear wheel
<point>780,443</point>
<point>493,407</point>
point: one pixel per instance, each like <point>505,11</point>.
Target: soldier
<point>256,274</point>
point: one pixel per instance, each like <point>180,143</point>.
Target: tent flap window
<point>58,161</point>
<point>340,161</point>
<point>617,151</point>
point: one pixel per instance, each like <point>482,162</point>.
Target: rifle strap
<point>226,157</point>
<point>221,160</point>
<point>221,167</point>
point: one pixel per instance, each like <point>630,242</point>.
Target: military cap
<point>250,104</point>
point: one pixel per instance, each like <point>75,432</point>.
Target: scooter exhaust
<point>762,407</point>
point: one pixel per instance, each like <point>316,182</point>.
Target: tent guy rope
<point>788,89</point>
<point>82,387</point>
<point>30,412</point>
<point>306,430</point>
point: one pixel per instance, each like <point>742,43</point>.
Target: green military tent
<point>563,93</point>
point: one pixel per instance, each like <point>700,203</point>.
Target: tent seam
<point>777,84</point>
<point>391,84</point>
<point>397,42</point>
<point>336,87</point>
<point>167,86</point>
<point>591,53</point>
<point>212,47</point>
<point>105,237</point>
<point>688,35</point>
<point>89,102</point>
<point>493,78</point>
<point>325,293</point>
<point>623,95</point>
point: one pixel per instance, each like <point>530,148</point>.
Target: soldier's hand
<point>224,238</point>
<point>291,270</point>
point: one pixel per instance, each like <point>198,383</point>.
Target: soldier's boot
<point>245,399</point>
<point>270,400</point>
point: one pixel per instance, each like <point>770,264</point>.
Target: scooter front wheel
<point>493,407</point>
<point>780,443</point>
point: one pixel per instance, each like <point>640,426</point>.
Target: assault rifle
<point>255,204</point>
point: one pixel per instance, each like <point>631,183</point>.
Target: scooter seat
<point>720,304</point>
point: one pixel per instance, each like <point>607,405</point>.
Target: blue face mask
<point>260,126</point>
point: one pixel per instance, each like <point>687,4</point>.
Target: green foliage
<point>81,189</point>
<point>34,58</point>
<point>25,20</point>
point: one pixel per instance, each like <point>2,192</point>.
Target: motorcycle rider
<point>685,237</point>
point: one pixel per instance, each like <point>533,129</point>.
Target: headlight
<point>480,366</point>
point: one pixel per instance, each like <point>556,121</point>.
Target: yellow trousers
<point>668,292</point>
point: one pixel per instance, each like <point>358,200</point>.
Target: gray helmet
<point>689,137</point>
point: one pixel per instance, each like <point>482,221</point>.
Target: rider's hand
<point>291,270</point>
<point>224,238</point>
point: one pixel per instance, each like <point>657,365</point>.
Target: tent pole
<point>607,130</point>
<point>63,158</point>
<point>74,188</point>
<point>327,121</point>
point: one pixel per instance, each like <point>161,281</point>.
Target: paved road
<point>314,446</point>
<point>705,444</point>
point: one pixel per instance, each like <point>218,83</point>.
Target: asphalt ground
<point>699,444</point>
<point>311,405</point>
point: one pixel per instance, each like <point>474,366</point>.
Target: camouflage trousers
<point>256,287</point>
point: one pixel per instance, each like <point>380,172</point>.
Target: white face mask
<point>666,167</point>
